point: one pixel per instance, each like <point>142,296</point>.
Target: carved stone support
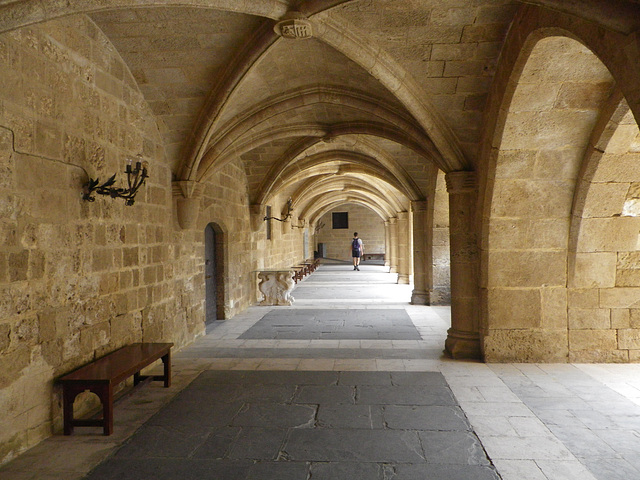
<point>188,193</point>
<point>276,287</point>
<point>463,338</point>
<point>257,213</point>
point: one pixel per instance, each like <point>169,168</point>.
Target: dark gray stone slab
<point>300,425</point>
<point>403,395</point>
<point>382,324</point>
<point>254,378</point>
<point>434,417</point>
<point>258,443</point>
<point>447,448</point>
<point>342,445</point>
<point>330,394</point>
<point>339,471</point>
<point>279,471</point>
<point>218,443</point>
<point>170,468</point>
<point>350,416</point>
<point>275,415</point>
<point>365,378</point>
<point>183,412</point>
<point>165,441</point>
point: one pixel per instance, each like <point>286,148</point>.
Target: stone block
<point>528,233</point>
<point>527,269</point>
<point>525,346</point>
<point>513,308</point>
<point>534,97</point>
<point>18,263</point>
<point>554,308</point>
<point>514,198</point>
<point>559,164</point>
<point>587,318</point>
<point>592,340</point>
<point>615,168</point>
<point>583,96</point>
<point>554,129</point>
<point>629,339</point>
<point>621,318</point>
<point>628,277</point>
<point>108,283</point>
<point>609,234</point>
<point>604,199</point>
<point>622,297</point>
<point>593,270</point>
<point>599,356</point>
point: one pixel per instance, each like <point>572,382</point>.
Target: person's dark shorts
<point>355,253</point>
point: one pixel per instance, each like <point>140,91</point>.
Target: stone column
<point>393,249</point>
<point>387,243</point>
<point>404,269</point>
<point>422,252</point>
<point>463,338</point>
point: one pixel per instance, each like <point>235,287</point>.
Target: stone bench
<point>373,256</point>
<point>102,376</point>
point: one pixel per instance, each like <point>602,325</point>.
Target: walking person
<point>357,250</point>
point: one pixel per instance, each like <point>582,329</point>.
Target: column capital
<point>419,205</point>
<point>461,182</point>
<point>393,220</point>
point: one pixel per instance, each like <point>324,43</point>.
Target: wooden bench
<point>103,375</point>
<point>303,269</point>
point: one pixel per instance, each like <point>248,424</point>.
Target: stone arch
<point>553,99</point>
<point>319,202</point>
<point>604,261</point>
<point>337,162</point>
<point>260,126</point>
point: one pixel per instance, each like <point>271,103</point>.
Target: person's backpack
<point>355,245</point>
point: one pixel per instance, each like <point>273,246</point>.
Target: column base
<point>420,298</point>
<point>404,279</point>
<point>462,345</point>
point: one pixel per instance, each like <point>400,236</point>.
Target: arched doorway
<point>214,273</point>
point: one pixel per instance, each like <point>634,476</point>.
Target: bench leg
<point>166,362</point>
<point>105,393</point>
<point>69,394</point>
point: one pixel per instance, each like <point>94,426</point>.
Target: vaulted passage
<point>168,168</point>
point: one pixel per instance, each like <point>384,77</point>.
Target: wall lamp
<point>135,179</point>
<point>287,213</point>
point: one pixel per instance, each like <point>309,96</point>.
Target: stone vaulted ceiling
<point>383,94</point>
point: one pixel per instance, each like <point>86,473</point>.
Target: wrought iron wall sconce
<point>287,213</point>
<point>135,179</point>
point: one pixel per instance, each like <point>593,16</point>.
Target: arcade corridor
<point>350,382</point>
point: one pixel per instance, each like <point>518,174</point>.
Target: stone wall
<point>366,222</point>
<point>79,279</point>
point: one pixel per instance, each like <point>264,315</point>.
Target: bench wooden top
<point>118,365</point>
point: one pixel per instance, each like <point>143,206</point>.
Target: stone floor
<point>257,399</point>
